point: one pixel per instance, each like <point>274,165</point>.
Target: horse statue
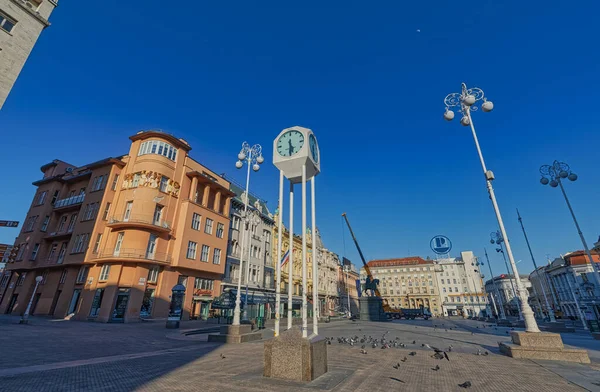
<point>371,284</point>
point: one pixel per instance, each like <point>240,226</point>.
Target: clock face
<point>290,143</point>
<point>314,150</point>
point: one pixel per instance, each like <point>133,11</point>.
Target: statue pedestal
<point>371,309</point>
<point>541,345</point>
<point>292,357</point>
<point>235,334</point>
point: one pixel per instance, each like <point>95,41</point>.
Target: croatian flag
<point>285,259</point>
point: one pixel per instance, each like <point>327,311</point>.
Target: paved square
<point>76,356</point>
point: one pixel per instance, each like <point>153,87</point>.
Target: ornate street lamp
<point>466,101</point>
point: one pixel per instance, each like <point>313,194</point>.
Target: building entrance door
<point>54,302</point>
<point>12,303</point>
<point>120,309</point>
<point>74,301</point>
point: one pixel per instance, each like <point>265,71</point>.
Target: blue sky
<point>363,78</point>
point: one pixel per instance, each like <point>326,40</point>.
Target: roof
<point>73,173</point>
<point>413,260</point>
<point>579,257</point>
<point>179,143</point>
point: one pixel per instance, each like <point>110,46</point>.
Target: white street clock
<point>294,147</point>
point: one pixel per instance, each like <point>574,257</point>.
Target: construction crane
<point>370,282</point>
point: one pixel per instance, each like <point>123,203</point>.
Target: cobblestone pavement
<point>141,357</point>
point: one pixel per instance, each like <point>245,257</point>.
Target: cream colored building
<point>329,266</point>
<point>21,23</point>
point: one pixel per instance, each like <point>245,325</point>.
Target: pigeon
<point>486,353</point>
<point>414,342</point>
<point>412,353</point>
<point>450,348</point>
<point>404,359</point>
<point>478,352</point>
<point>374,345</point>
<point>422,344</point>
<point>466,384</point>
<point>363,346</point>
<point>396,379</point>
<point>396,366</point>
<point>223,356</point>
<point>436,368</point>
<point>363,351</point>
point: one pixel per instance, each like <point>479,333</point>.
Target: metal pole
<point>581,316</point>
<point>249,161</point>
<point>291,260</point>
<point>238,299</point>
<point>315,261</point>
<point>502,314</point>
<point>585,246</point>
<point>25,317</point>
<point>278,257</point>
<point>530,323</point>
<point>304,269</point>
<point>512,284</point>
<point>548,308</point>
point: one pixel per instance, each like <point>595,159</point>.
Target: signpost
<point>4,223</point>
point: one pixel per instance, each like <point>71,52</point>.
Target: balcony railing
<point>69,201</point>
<point>139,219</point>
<point>59,234</point>
<point>137,254</point>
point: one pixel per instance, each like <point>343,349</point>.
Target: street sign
<point>4,223</point>
<point>440,244</point>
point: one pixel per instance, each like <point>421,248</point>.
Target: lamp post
<point>553,175</point>
<point>466,101</point>
<point>548,308</point>
<point>252,156</point>
<point>496,238</point>
<point>502,314</point>
<point>252,220</point>
<point>25,318</point>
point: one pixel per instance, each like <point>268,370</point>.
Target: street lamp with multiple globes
<point>496,238</point>
<point>553,175</point>
<point>252,156</point>
<point>466,101</point>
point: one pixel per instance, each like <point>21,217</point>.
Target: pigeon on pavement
<point>466,384</point>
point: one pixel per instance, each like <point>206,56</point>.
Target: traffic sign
<point>4,223</point>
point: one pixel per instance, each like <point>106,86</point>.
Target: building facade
<point>460,282</point>
<point>408,282</point>
<point>259,234</point>
<point>21,23</point>
<point>111,238</point>
<point>328,267</point>
<point>348,290</point>
<point>507,287</point>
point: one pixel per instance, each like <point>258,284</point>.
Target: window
<point>44,277</point>
<point>153,274</point>
<point>203,284</point>
<point>205,251</point>
<point>136,180</point>
<point>442,281</point>
<point>45,223</point>
<point>104,272</point>
<point>456,290</point>
<point>444,289</point>
<point>217,256</point>
<point>34,252</point>
<point>128,208</point>
<point>182,280</point>
<point>21,251</point>
<point>99,182</point>
<point>63,277</point>
<point>454,281</point>
<point>196,221</point>
<point>61,253</point>
<point>158,147</point>
<point>6,23</point>
<point>208,226</point>
<point>115,182</point>
<point>158,211</point>
<point>97,302</point>
<point>55,197</point>
<point>220,230</point>
<point>97,243</point>
<point>80,243</point>
<point>106,211</point>
<point>90,211</point>
<point>164,182</point>
<point>235,223</point>
<point>41,198</point>
<point>72,223</point>
<point>191,250</point>
<point>21,279</point>
<point>31,223</point>
<point>151,248</point>
<point>82,274</point>
<point>52,251</point>
<point>118,243</point>
<point>61,223</point>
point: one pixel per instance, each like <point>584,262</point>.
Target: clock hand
<point>291,147</point>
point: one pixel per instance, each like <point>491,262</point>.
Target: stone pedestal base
<point>292,357</point>
<point>235,334</point>
<point>371,309</point>
<point>541,345</point>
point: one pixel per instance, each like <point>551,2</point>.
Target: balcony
<point>69,202</point>
<point>57,235</point>
<point>141,221</point>
<point>137,255</point>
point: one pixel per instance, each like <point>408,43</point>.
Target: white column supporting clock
<point>298,161</point>
<point>279,257</point>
